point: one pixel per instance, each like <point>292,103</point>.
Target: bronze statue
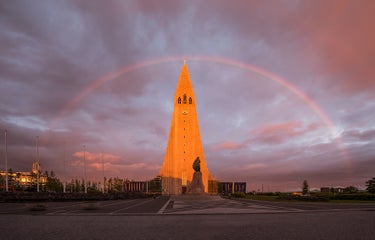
<point>197,165</point>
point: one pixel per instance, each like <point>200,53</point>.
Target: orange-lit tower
<point>184,143</point>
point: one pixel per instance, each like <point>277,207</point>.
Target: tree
<point>77,185</point>
<point>350,189</point>
<point>17,183</point>
<point>110,185</point>
<point>371,185</point>
<point>53,184</point>
<point>154,185</point>
<point>10,177</point>
<point>118,184</point>
<point>305,187</point>
<point>2,182</point>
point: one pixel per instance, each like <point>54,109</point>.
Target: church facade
<point>184,143</point>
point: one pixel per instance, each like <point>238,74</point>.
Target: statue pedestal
<point>196,186</point>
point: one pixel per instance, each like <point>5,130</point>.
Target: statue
<point>196,185</point>
<point>197,165</point>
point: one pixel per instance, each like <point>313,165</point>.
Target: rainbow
<point>292,88</point>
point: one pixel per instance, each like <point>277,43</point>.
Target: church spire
<point>184,91</point>
<point>184,143</point>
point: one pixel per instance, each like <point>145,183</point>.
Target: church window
<point>190,100</point>
<point>179,100</point>
<point>185,99</point>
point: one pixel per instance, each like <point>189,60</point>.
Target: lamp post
<point>64,184</point>
<point>84,166</point>
<point>101,156</point>
<point>37,163</point>
<point>6,161</point>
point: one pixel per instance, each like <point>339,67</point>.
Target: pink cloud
<point>229,145</point>
<point>281,127</point>
<point>143,165</point>
<point>95,160</point>
<point>270,134</point>
<point>254,166</point>
<point>278,133</point>
<point>341,36</point>
<point>313,127</point>
<point>99,157</point>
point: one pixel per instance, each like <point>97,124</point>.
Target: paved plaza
<point>187,217</point>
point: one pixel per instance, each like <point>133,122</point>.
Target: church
<point>184,143</point>
<point>185,146</point>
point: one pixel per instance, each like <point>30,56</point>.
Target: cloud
<point>227,146</point>
<point>92,157</point>
<point>141,165</point>
<point>277,133</point>
<point>356,135</point>
<point>271,134</point>
<point>267,134</point>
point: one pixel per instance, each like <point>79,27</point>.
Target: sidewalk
<point>214,204</point>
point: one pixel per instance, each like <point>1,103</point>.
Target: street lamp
<point>84,166</point>
<point>64,184</point>
<point>37,162</point>
<point>6,161</point>
<point>101,156</point>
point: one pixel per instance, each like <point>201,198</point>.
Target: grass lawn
<point>352,201</point>
<point>278,199</point>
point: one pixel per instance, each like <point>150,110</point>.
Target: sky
<point>285,90</point>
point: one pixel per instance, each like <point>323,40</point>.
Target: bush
<point>45,196</point>
<point>358,196</point>
<point>239,195</point>
<point>312,198</point>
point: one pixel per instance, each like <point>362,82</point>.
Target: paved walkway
<point>207,204</point>
<point>175,205</point>
<point>111,207</point>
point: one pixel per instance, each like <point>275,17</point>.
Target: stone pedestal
<point>196,186</point>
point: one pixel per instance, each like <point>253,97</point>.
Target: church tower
<point>184,143</point>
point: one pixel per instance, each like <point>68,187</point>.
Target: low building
<point>226,188</point>
<point>135,186</point>
<point>23,180</point>
<point>153,186</point>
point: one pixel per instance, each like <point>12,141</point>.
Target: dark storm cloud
<point>340,31</point>
<point>330,37</point>
<point>359,136</point>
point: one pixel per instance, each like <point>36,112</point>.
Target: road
<point>187,217</point>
